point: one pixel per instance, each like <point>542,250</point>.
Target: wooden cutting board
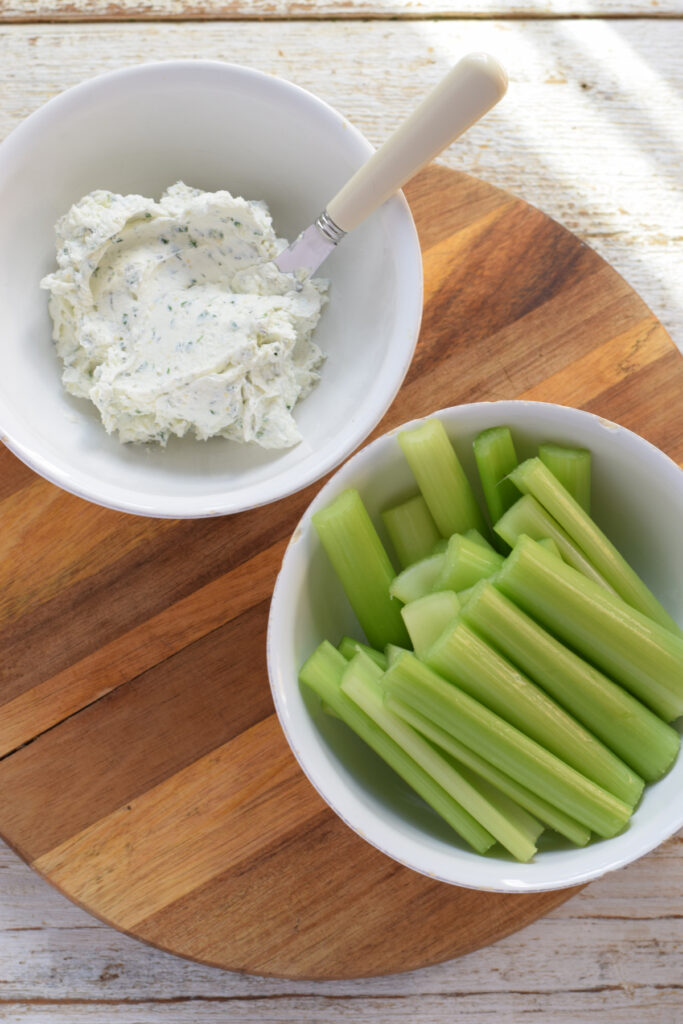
<point>143,771</point>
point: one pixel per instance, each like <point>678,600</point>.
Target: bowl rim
<point>282,483</point>
<point>604,856</point>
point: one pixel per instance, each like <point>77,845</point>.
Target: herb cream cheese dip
<point>171,317</point>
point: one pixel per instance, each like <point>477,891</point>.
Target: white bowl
<point>213,126</point>
<point>638,501</point>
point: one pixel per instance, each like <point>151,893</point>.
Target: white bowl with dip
<point>214,126</point>
<point>637,499</point>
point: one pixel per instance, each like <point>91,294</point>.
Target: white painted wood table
<point>592,132</point>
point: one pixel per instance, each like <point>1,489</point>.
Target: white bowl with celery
<point>474,645</point>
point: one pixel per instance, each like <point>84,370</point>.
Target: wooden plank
<point>590,132</point>
<point>161,10</point>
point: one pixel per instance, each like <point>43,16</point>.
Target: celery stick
<point>427,618</point>
<point>463,658</point>
<point>527,517</point>
<point>631,730</point>
<point>478,539</point>
<point>323,672</point>
<point>494,453</point>
<point>549,544</point>
<point>350,647</point>
<point>441,478</point>
<point>465,564</point>
<point>635,651</point>
<point>418,579</point>
<point>359,683</point>
<point>363,567</point>
<point>463,596</point>
<point>551,816</point>
<point>392,652</point>
<point>572,467</point>
<point>534,478</point>
<point>529,827</point>
<point>411,529</point>
<point>504,746</point>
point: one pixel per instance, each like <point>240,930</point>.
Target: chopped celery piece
<point>550,545</point>
<point>572,467</point>
<point>427,618</point>
<point>418,579</point>
<point>392,652</point>
<point>463,658</point>
<point>474,535</point>
<point>323,673</point>
<point>411,529</point>
<point>532,477</point>
<point>350,647</point>
<point>465,564</point>
<point>441,478</point>
<point>504,746</point>
<point>360,685</point>
<point>494,453</point>
<point>529,827</point>
<point>463,596</point>
<point>527,517</point>
<point>554,818</point>
<point>635,651</point>
<point>636,734</point>
<point>363,567</point>
<point>440,546</point>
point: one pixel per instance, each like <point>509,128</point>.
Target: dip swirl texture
<point>171,317</point>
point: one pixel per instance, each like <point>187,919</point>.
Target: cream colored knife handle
<point>468,91</point>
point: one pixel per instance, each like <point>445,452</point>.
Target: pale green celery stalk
<point>529,826</point>
<point>526,517</point>
<point>532,477</point>
<point>350,647</point>
<point>359,683</point>
<point>441,478</point>
<point>392,652</point>
<point>363,567</point>
<point>462,657</point>
<point>440,546</point>
<point>631,730</point>
<point>494,453</point>
<point>427,618</point>
<point>549,544</point>
<point>572,467</point>
<point>418,579</point>
<point>551,816</point>
<point>635,651</point>
<point>505,747</point>
<point>477,537</point>
<point>465,564</point>
<point>323,673</point>
<point>411,529</point>
<point>463,596</point>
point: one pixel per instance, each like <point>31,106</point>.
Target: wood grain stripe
<point>137,736</point>
<point>147,10</point>
<point>94,611</point>
<point>649,384</point>
<point>601,369</point>
<point>214,815</point>
<point>137,650</point>
<point>315,927</point>
<point>69,540</point>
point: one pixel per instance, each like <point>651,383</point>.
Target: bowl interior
<point>637,500</point>
<point>213,126</point>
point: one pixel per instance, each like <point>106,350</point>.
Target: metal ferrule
<point>328,229</point>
